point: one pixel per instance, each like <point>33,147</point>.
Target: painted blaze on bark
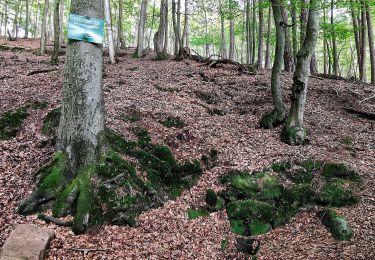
<point>294,131</point>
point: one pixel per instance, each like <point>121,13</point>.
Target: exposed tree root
<point>362,114</point>
<point>272,119</point>
<point>294,135</point>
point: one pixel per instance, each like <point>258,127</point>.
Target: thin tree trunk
<point>362,67</point>
<point>356,33</point>
<point>294,131</point>
<point>260,36</point>
<point>36,25</point>
<point>56,32</point>
<point>176,26</point>
<point>61,21</point>
<point>325,50</point>
<point>223,52</point>
<point>111,47</point>
<point>231,39</point>
<point>248,33</point>
<point>268,47</point>
<point>186,34</point>
<point>27,19</point>
<point>254,33</point>
<point>152,23</point>
<point>120,24</point>
<point>334,45</point>
<point>294,30</point>
<point>371,42</point>
<point>43,33</point>
<point>277,116</point>
<point>288,52</point>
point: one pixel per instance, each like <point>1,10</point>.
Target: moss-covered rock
<point>339,170</point>
<point>336,224</point>
<point>193,214</point>
<point>251,209</point>
<point>11,121</point>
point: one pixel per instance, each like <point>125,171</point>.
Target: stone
<point>27,242</point>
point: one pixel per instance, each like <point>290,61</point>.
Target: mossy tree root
<point>272,119</point>
<point>294,135</point>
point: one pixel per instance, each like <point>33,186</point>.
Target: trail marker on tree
<point>85,28</point>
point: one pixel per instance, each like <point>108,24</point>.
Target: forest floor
<point>158,89</point>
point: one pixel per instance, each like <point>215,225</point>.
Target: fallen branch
<point>366,99</point>
<point>361,114</point>
<point>50,219</point>
<point>40,71</point>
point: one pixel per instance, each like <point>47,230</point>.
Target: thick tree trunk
<point>277,116</point>
<point>268,45</point>
<point>141,28</point>
<point>371,42</point>
<point>160,35</point>
<point>176,25</point>
<point>260,36</point>
<point>56,32</point>
<point>111,46</point>
<point>294,131</point>
<point>43,32</point>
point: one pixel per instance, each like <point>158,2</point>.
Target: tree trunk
<point>260,36</point>
<point>231,39</point>
<point>268,47</point>
<point>56,32</point>
<point>61,22</point>
<point>249,42</point>
<point>159,38</point>
<point>27,19</point>
<point>254,33</point>
<point>288,52</point>
<point>43,32</point>
<point>111,47</point>
<point>141,28</point>
<point>294,30</point>
<point>120,24</point>
<point>356,33</point>
<point>15,21</point>
<point>36,25</point>
<point>223,52</point>
<point>176,25</point>
<point>79,139</point>
<point>277,116</point>
<point>371,42</point>
<point>334,44</point>
<point>186,34</point>
<point>294,131</point>
<point>362,67</point>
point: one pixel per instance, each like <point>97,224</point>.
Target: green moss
<point>210,160</point>
<point>296,135</point>
<point>237,226</point>
<point>10,123</point>
<point>339,170</point>
<point>272,119</point>
<point>336,224</point>
<point>193,214</point>
<point>223,244</point>
<point>258,227</point>
<point>171,121</point>
<point>211,197</point>
<point>280,167</point>
<point>51,122</point>
<point>336,193</point>
<point>250,209</point>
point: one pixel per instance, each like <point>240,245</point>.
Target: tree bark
<point>43,32</point>
<point>231,39</point>
<point>159,38</point>
<point>260,36</point>
<point>249,39</point>
<point>288,52</point>
<point>371,42</point>
<point>56,32</point>
<point>186,34</point>
<point>356,33</point>
<point>268,47</point>
<point>176,25</point>
<point>27,19</point>
<point>294,131</point>
<point>334,44</point>
<point>120,24</point>
<point>61,22</point>
<point>111,47</point>
<point>277,116</point>
<point>141,28</point>
<point>362,67</point>
<point>223,52</point>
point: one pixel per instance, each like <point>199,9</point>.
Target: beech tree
<point>294,131</point>
<point>80,134</point>
<point>141,28</point>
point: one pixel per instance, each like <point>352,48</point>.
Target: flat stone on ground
<point>27,242</point>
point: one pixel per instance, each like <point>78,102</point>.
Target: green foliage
<point>193,214</point>
<point>11,121</point>
<point>132,117</point>
<point>223,244</point>
<point>339,170</point>
<point>336,193</point>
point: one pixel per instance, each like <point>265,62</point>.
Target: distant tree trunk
<point>223,52</point>
<point>371,42</point>
<point>6,21</point>
<point>36,24</point>
<point>152,23</point>
<point>56,32</point>
<point>334,44</point>
<point>254,32</point>
<point>362,67</point>
<point>120,24</point>
<point>27,19</point>
<point>80,135</point>
<point>325,50</point>
<point>294,30</point>
<point>231,39</point>
<point>141,28</point>
<point>294,131</point>
<point>277,116</point>
<point>268,47</point>
<point>288,52</point>
<point>15,21</point>
<point>186,33</point>
<point>43,32</point>
<point>249,39</point>
<point>61,21</point>
<point>111,47</point>
<point>303,20</point>
<point>260,36</point>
